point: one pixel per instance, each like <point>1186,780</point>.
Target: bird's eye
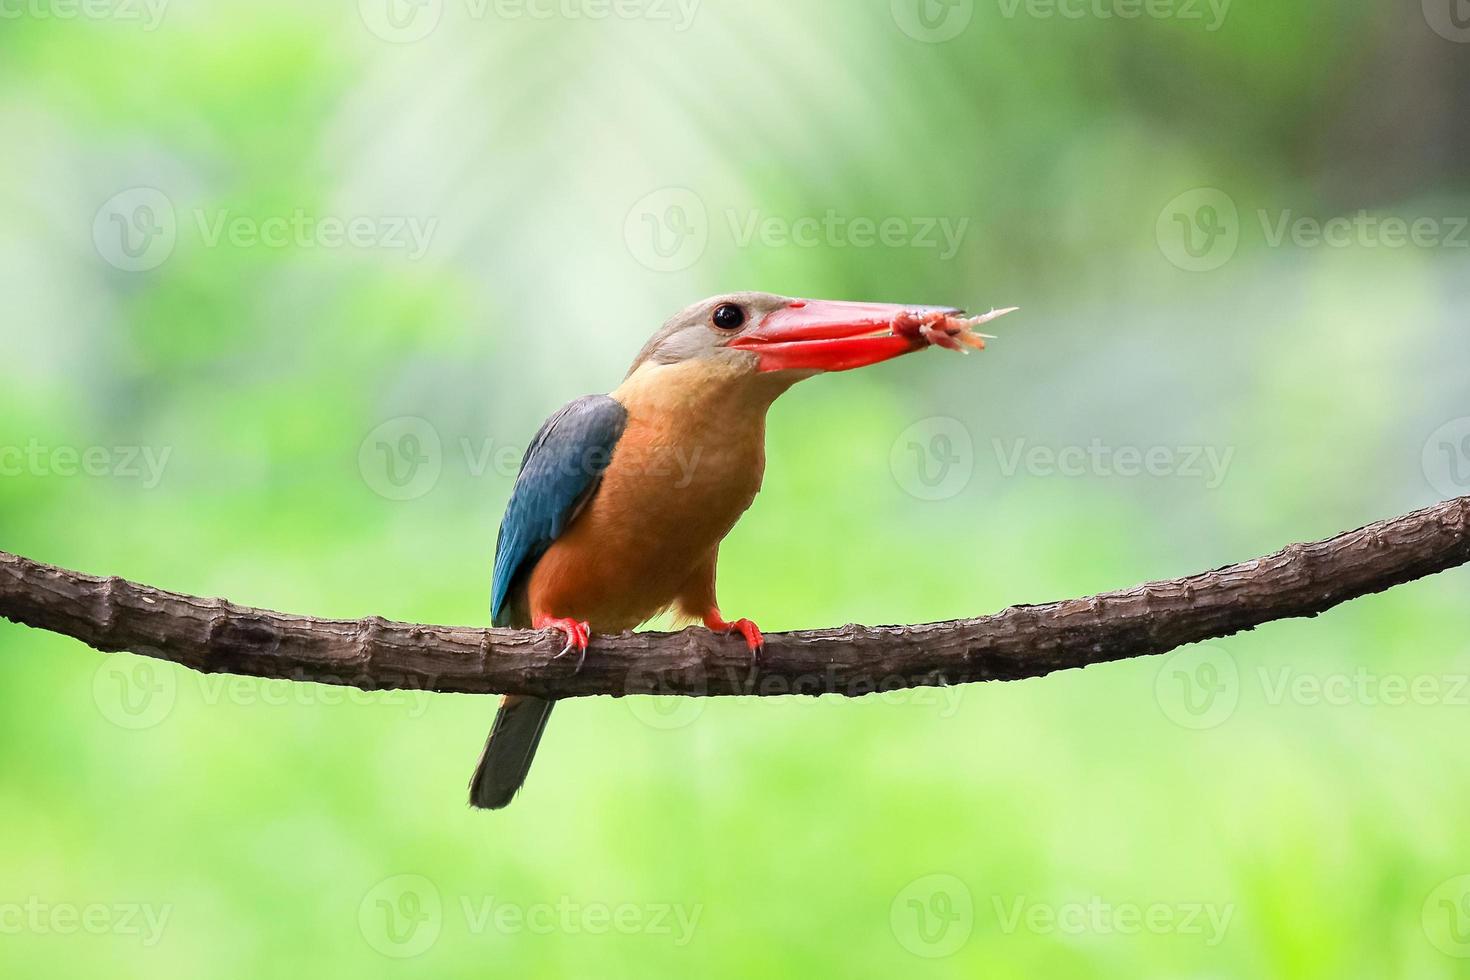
<point>728,316</point>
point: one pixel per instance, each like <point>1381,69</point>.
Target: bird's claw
<point>577,632</point>
<point>754,640</point>
<point>750,632</point>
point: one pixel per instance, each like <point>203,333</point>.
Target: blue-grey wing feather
<point>559,473</point>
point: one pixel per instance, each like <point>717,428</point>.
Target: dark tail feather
<point>509,751</point>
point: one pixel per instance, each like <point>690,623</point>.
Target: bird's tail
<point>509,751</point>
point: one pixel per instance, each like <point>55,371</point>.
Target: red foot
<point>578,635</point>
<point>751,632</point>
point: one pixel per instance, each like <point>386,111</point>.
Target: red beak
<point>823,335</point>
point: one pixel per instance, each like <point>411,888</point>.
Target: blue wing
<point>559,473</point>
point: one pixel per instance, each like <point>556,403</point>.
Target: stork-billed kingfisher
<point>623,499</point>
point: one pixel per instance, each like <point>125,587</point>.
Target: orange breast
<point>688,465</point>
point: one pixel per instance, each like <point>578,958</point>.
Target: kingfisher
<point>622,499</point>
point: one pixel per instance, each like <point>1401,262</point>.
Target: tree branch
<point>215,636</point>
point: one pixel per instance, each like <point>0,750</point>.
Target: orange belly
<point>688,465</point>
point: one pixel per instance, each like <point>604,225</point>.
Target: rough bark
<point>214,636</point>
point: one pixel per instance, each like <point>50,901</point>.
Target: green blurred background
<point>282,289</point>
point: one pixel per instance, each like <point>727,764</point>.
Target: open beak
<point>825,335</point>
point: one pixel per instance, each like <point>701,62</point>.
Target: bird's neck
<point>695,442</point>
<point>699,397</point>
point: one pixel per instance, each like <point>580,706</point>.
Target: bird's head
<point>780,340</point>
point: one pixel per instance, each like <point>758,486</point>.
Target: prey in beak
<point>826,335</point>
